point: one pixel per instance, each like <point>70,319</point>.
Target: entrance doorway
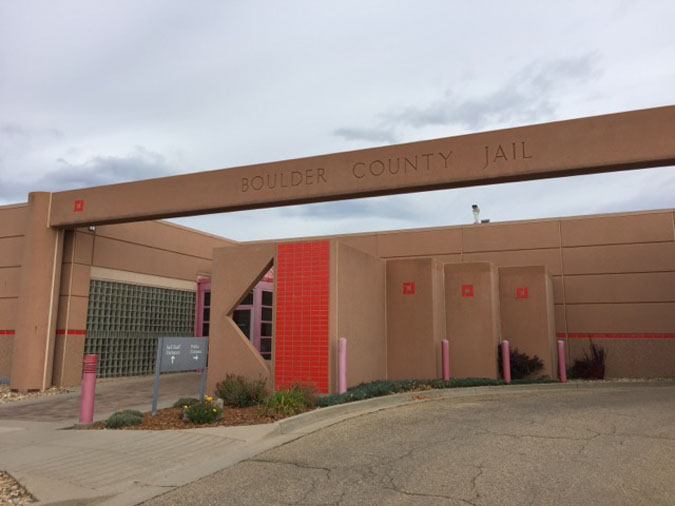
<point>253,316</point>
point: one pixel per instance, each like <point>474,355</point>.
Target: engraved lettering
<point>296,178</point>
<point>445,158</point>
<point>398,166</point>
<point>320,175</point>
<point>257,186</point>
<point>518,151</point>
<point>284,179</point>
<point>500,153</point>
<point>427,156</point>
<point>373,171</point>
<point>408,162</point>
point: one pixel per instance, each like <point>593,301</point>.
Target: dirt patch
<point>12,492</point>
<point>170,419</point>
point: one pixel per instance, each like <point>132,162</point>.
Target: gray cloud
<point>529,95</point>
<point>660,196</point>
<point>13,132</point>
<point>366,134</point>
<point>386,207</point>
<point>21,139</point>
<point>97,170</point>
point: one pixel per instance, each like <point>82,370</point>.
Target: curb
<point>323,417</point>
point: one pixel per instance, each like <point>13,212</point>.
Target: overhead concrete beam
<point>629,140</point>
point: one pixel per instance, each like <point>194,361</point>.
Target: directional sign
<point>182,353</point>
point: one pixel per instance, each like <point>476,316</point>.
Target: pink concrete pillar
<point>562,363</point>
<point>506,362</point>
<point>88,388</point>
<point>342,365</point>
<point>445,359</point>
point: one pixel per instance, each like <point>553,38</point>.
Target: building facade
<point>393,295</point>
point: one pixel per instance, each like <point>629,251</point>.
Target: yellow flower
<point>214,410</point>
<point>185,407</point>
<point>209,398</point>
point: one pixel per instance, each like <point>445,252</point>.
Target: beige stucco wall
<point>361,312</point>
<point>12,223</point>
<point>526,318</point>
<point>153,253</point>
<point>610,274</point>
<point>415,321</point>
<point>230,352</point>
<point>472,318</point>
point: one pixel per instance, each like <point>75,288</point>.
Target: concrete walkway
<point>77,467</point>
<point>111,395</point>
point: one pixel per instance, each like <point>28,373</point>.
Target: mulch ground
<point>170,419</point>
<point>12,492</point>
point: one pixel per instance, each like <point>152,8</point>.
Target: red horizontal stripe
<point>600,335</point>
<point>71,332</point>
<point>7,332</point>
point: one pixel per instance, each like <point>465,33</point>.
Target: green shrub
<point>185,401</point>
<point>240,392</point>
<point>203,412</point>
<point>285,402</point>
<point>522,365</point>
<point>124,419</point>
<point>386,387</point>
<point>591,366</point>
<point>309,395</point>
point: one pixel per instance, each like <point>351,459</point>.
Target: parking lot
<point>606,446</point>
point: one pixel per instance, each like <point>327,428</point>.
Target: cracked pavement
<point>602,447</point>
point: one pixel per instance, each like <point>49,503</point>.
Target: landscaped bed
<point>170,419</point>
<point>245,403</point>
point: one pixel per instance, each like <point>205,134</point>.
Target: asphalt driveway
<point>579,447</point>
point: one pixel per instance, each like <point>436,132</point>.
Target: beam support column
<point>33,350</point>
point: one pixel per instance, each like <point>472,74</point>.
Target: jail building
<point>282,305</point>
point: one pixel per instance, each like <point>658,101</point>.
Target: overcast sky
<point>96,92</point>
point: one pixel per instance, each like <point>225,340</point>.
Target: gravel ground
<point>11,491</point>
<point>6,395</point>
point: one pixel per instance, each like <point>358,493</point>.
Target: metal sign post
<point>176,354</point>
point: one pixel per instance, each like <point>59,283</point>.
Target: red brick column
<point>301,292</point>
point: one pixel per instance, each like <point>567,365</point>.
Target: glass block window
<point>124,322</point>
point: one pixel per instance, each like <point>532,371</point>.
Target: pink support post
<point>562,363</point>
<point>342,365</point>
<point>88,388</point>
<point>506,362</point>
<point>445,359</point>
